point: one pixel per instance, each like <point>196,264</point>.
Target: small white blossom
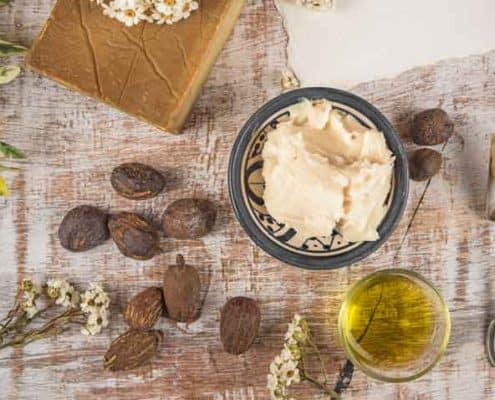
<point>28,305</point>
<point>286,354</point>
<point>28,286</point>
<point>30,291</point>
<point>63,293</point>
<point>95,323</point>
<point>95,304</point>
<point>289,372</point>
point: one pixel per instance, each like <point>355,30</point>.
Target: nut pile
<point>429,128</point>
<point>86,227</point>
<point>139,345</point>
<point>180,301</point>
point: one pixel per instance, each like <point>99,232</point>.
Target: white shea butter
<point>324,170</point>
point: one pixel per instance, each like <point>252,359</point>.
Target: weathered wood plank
<point>73,144</point>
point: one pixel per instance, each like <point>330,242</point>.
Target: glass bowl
<point>394,325</point>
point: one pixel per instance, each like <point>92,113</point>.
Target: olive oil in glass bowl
<point>394,325</point>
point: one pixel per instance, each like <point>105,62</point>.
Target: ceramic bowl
<point>246,185</point>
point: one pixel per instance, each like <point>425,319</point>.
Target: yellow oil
<point>389,321</point>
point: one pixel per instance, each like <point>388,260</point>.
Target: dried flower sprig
<point>289,368</point>
<point>95,304</point>
<point>57,305</point>
<point>132,12</point>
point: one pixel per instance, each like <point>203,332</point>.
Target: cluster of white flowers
<point>30,291</point>
<point>132,12</point>
<point>95,303</point>
<point>317,4</point>
<point>284,369</point>
<point>63,293</point>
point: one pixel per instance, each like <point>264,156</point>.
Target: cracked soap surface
<point>323,170</point>
<point>150,71</point>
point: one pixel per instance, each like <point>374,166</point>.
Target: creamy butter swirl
<point>324,170</point>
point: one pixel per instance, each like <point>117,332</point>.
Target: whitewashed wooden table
<point>73,143</point>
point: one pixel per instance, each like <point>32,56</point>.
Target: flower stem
<point>51,328</point>
<point>325,389</point>
<point>21,321</point>
<point>320,358</point>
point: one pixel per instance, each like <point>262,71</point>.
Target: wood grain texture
<point>74,143</point>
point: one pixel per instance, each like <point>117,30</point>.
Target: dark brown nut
<point>431,127</point>
<point>182,292</point>
<point>83,228</point>
<point>239,324</point>
<point>134,236</point>
<point>132,350</point>
<point>137,181</point>
<point>189,218</point>
<point>144,309</point>
<point>424,164</point>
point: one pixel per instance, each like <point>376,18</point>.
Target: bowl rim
<point>445,313</point>
<point>401,173</point>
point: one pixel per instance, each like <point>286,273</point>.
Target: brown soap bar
<point>154,72</point>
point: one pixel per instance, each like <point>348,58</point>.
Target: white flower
<point>95,304</point>
<point>29,309</point>
<point>30,291</point>
<point>274,367</point>
<point>289,373</point>
<point>132,12</point>
<point>286,354</point>
<point>95,323</point>
<point>90,330</point>
<point>297,332</point>
<point>94,299</point>
<point>28,286</point>
<point>63,293</point>
<point>272,382</point>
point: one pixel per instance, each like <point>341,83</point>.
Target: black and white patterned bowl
<point>246,185</point>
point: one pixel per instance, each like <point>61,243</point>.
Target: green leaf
<point>4,190</point>
<point>9,73</point>
<point>4,2</point>
<point>10,151</point>
<point>6,168</point>
<point>8,48</point>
